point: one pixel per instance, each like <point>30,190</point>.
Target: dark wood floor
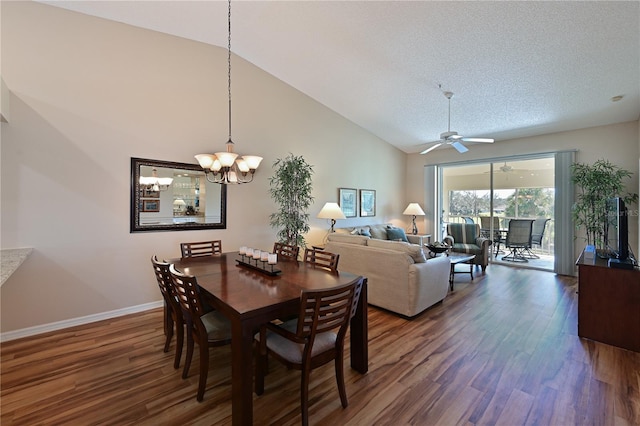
<point>501,349</point>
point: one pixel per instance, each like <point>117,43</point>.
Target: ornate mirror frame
<point>149,202</point>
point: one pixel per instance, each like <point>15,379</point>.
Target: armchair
<point>465,238</point>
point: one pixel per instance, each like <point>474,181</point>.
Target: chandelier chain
<point>229,66</point>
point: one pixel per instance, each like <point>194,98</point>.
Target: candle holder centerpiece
<point>258,260</point>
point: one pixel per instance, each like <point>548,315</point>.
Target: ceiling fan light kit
<point>453,138</point>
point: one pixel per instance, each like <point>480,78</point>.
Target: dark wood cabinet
<point>608,304</point>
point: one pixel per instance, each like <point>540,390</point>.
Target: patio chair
<point>518,239</point>
<point>498,237</point>
<point>537,233</point>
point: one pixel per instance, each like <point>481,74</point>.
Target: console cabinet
<point>608,304</point>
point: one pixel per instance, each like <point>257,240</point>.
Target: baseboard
<point>59,325</point>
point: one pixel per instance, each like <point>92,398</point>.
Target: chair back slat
<point>202,248</point>
<point>325,310</point>
<point>163,276</point>
<point>286,251</point>
<point>188,296</point>
<point>322,259</point>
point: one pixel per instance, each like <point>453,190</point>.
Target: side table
<point>460,258</point>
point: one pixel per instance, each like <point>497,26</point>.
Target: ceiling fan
<point>453,138</point>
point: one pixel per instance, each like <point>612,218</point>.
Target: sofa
<point>384,231</point>
<point>400,278</point>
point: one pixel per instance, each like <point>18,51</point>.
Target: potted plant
<point>290,188</point>
<point>597,183</point>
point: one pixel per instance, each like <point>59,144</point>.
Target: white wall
<point>617,143</point>
<point>89,94</point>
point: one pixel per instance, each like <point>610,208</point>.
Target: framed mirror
<point>169,196</point>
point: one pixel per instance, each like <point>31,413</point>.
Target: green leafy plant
<point>597,183</point>
<point>290,188</point>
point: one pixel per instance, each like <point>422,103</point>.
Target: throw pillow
<point>365,233</point>
<point>396,234</point>
<point>378,232</point>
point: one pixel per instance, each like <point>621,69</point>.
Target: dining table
<point>249,298</point>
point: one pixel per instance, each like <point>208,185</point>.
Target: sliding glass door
<point>491,193</point>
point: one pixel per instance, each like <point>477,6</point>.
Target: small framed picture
<point>367,202</point>
<point>148,193</point>
<point>150,205</point>
<point>348,201</point>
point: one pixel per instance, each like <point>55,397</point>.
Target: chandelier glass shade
<point>225,167</point>
<point>155,183</point>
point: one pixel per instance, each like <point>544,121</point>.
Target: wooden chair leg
<point>204,369</point>
<point>304,394</point>
<point>168,327</point>
<point>340,379</point>
<point>187,361</point>
<point>179,343</point>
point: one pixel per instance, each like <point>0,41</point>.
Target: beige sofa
<point>400,279</point>
<point>380,232</point>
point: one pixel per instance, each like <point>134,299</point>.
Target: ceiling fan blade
<point>431,148</point>
<point>459,147</point>
<point>483,140</point>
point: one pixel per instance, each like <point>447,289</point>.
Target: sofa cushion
<point>396,234</point>
<point>349,239</point>
<point>414,251</point>
<point>379,232</point>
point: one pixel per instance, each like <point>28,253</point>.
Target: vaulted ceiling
<point>517,69</point>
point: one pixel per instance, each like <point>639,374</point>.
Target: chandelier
<point>225,167</point>
<point>154,183</point>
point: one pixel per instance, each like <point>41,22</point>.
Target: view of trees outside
<point>520,203</point>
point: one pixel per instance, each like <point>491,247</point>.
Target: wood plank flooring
<point>500,350</point>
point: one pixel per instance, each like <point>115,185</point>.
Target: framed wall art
<point>150,205</point>
<point>367,202</point>
<point>348,201</point>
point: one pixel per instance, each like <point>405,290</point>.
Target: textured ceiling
<point>517,68</point>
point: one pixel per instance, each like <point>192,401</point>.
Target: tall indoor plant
<point>597,183</point>
<point>290,188</point>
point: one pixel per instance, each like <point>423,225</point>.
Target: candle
<point>272,258</point>
<point>243,250</point>
<point>256,254</point>
<point>264,256</point>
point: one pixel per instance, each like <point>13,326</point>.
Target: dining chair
<point>211,329</point>
<point>518,239</point>
<point>313,339</point>
<point>286,251</point>
<point>322,259</point>
<point>172,311</point>
<point>203,248</point>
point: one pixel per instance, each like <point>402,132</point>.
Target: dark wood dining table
<point>249,298</point>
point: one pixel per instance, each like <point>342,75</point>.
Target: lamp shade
<point>331,211</point>
<point>414,209</point>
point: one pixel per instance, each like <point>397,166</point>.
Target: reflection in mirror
<point>169,196</point>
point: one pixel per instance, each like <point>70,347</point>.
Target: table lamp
<point>331,211</point>
<point>414,210</point>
